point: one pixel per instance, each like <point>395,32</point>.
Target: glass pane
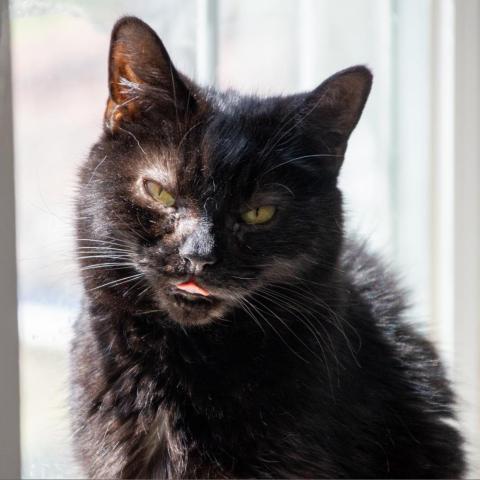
<point>285,46</point>
<point>59,51</point>
<point>249,60</point>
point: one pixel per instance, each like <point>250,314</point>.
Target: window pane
<point>279,47</point>
<point>59,51</point>
<point>284,46</point>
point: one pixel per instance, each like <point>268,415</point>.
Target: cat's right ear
<point>141,76</point>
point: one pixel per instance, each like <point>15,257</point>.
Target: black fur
<point>299,363</point>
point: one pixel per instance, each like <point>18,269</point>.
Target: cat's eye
<point>157,192</point>
<point>259,215</point>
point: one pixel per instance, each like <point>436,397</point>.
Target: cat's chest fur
<point>240,448</point>
<point>179,411</point>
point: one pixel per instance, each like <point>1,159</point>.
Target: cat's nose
<point>198,262</point>
<point>198,248</point>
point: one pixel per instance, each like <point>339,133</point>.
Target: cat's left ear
<point>333,109</point>
<point>141,75</point>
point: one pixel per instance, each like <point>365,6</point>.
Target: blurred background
<point>410,176</point>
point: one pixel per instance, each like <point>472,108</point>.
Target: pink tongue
<point>191,286</point>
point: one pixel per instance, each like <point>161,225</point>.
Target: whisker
<point>287,327</point>
<point>258,310</point>
<point>137,234</point>
<point>117,241</point>
<point>244,303</point>
<point>132,287</point>
<point>110,266</point>
<point>186,134</point>
<point>134,137</point>
<point>95,169</point>
<point>102,249</point>
<point>333,318</point>
<point>116,256</point>
<point>118,282</point>
<point>301,158</point>
<point>292,118</point>
<point>291,305</point>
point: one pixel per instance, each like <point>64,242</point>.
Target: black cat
<point>229,329</point>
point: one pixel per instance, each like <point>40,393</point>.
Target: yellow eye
<point>258,215</point>
<point>156,191</point>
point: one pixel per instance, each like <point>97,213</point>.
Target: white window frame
<point>207,42</point>
<point>9,373</point>
<point>454,205</point>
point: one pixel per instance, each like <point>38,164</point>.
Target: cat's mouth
<point>192,303</point>
<point>193,300</point>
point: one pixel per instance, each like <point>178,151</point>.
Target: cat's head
<point>193,199</point>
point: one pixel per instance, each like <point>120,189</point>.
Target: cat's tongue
<point>191,286</point>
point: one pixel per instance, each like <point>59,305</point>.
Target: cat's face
<point>192,200</point>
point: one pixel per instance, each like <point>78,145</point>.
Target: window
<point>403,189</point>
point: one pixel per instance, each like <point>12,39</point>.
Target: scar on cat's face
<point>217,195</point>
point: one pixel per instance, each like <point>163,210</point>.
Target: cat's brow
<point>159,167</point>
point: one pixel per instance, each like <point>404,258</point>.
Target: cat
<point>230,328</point>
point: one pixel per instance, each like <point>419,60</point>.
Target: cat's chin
<point>193,310</point>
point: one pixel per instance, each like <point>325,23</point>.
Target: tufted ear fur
<point>142,76</point>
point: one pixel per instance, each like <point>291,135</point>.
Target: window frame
<point>454,203</point>
<point>9,360</point>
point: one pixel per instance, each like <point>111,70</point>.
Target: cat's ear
<point>333,109</point>
<point>141,75</point>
